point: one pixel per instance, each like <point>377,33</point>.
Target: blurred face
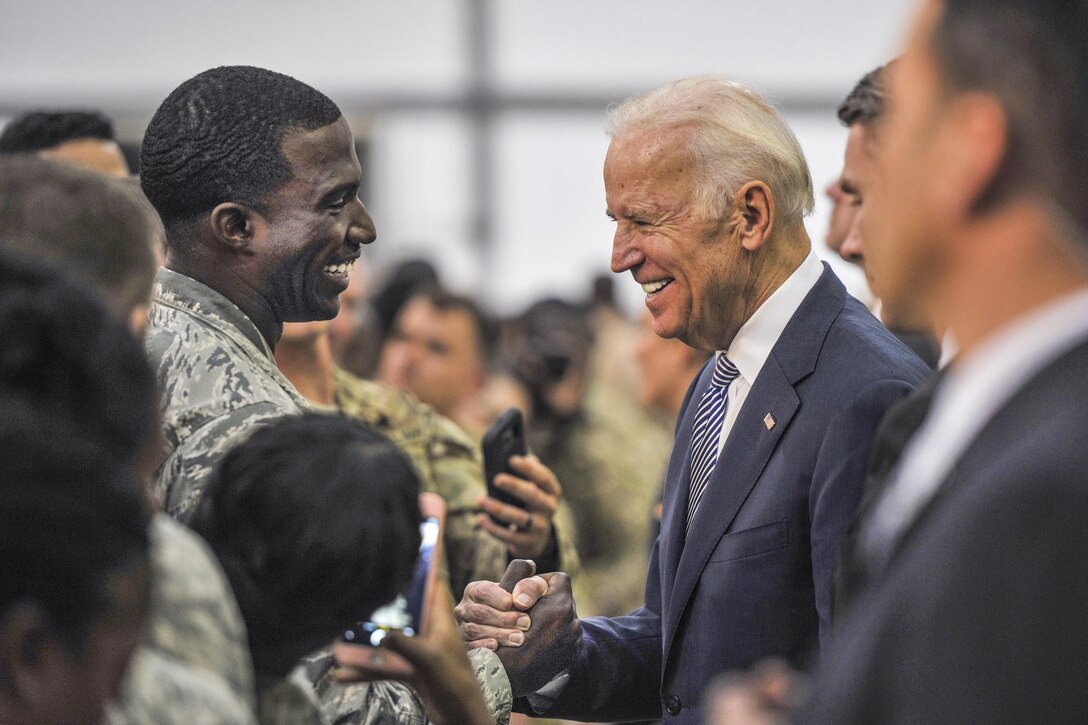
<point>842,215</point>
<point>434,354</point>
<point>664,367</point>
<point>345,325</point>
<point>905,216</point>
<point>314,226</point>
<point>688,263</point>
<point>858,180</point>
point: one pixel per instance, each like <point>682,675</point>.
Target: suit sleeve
<point>838,480</point>
<point>616,672</point>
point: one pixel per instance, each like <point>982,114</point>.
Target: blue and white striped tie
<point>707,431</point>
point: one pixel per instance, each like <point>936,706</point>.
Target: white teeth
<point>340,269</point>
<point>651,287</point>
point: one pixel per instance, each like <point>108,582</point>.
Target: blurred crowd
<point>219,425</point>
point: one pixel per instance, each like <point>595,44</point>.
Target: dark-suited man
<point>709,188</point>
<point>975,610</point>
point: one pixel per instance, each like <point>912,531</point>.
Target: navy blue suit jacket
<point>753,576</point>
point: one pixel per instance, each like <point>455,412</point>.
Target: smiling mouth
<point>652,288</point>
<point>339,270</point>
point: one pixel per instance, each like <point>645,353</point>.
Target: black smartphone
<point>504,438</point>
<point>407,613</point>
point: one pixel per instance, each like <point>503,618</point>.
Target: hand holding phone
<point>504,438</point>
<point>359,645</point>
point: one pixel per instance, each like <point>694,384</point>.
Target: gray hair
<point>737,137</point>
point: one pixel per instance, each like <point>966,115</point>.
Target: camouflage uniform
<point>194,664</point>
<point>610,461</point>
<point>218,379</point>
<point>293,700</point>
<point>449,463</point>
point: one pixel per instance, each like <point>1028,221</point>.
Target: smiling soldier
<point>256,179</point>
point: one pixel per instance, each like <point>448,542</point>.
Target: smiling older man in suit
<point>709,188</point>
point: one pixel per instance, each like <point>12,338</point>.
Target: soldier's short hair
<point>218,137</point>
<point>41,130</point>
<point>95,226</point>
<point>315,520</point>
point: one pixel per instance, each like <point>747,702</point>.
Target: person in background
<point>93,226</point>
<point>863,112</point>
<point>83,138</point>
<point>447,460</point>
<point>607,451</point>
<point>75,584</point>
<point>438,349</point>
<point>79,361</point>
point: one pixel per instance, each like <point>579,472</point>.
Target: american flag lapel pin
<point>768,420</point>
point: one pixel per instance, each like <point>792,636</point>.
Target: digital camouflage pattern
<point>194,664</point>
<point>449,462</point>
<point>218,379</point>
<point>329,702</point>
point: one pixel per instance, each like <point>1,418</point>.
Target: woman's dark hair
<point>71,516</point>
<point>315,520</point>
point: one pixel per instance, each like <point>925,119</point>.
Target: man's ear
<point>25,657</point>
<point>234,225</point>
<point>974,148</point>
<point>753,215</point>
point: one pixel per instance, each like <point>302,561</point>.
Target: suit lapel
<point>742,460</point>
<point>747,450</point>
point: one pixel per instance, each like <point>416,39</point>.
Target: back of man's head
<point>61,351</point>
<point>218,137</point>
<point>89,224</point>
<point>736,137</point>
<point>1032,56</point>
<point>41,130</point>
<point>865,104</point>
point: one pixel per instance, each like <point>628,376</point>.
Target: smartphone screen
<point>405,612</point>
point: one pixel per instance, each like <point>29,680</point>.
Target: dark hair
<point>865,103</point>
<point>61,351</point>
<point>400,285</point>
<point>41,130</point>
<point>548,341</point>
<point>486,327</point>
<point>93,225</point>
<point>71,516</point>
<point>218,137</point>
<point>316,522</point>
<point>1031,55</point>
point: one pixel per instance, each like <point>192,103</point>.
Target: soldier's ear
<point>235,226</point>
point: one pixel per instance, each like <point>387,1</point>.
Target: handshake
<point>529,620</point>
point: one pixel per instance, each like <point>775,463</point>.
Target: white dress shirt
<point>755,339</point>
<point>973,391</point>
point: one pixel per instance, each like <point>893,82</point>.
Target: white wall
<point>551,235</point>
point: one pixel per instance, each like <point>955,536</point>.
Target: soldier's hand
<point>441,671</point>
<point>492,614</point>
<point>551,642</point>
<point>527,532</point>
